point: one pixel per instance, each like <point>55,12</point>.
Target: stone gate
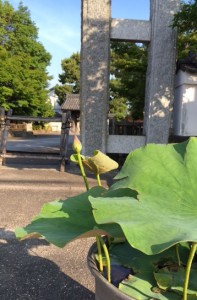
<point>97,29</point>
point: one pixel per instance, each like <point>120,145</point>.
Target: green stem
<point>82,171</point>
<point>188,269</point>
<point>107,259</point>
<point>98,179</point>
<point>100,259</point>
<point>177,255</point>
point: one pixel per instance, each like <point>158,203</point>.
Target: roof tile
<point>72,102</point>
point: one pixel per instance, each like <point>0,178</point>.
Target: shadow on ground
<point>26,276</point>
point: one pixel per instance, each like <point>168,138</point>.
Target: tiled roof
<point>71,102</point>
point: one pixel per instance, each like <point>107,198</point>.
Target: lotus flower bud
<point>77,146</point>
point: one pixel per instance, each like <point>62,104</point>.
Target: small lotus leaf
<point>90,165</point>
<point>74,158</point>
<point>191,297</point>
<point>175,280</point>
<point>142,287</point>
<point>100,163</point>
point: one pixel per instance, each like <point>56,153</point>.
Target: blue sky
<point>59,24</point>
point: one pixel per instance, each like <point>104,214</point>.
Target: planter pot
<point>103,289</point>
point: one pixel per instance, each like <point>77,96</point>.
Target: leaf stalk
<point>106,252</point>
<point>188,269</point>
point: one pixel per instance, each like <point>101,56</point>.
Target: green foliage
<point>127,83</point>
<point>164,177</point>
<point>186,18</point>
<point>23,62</point>
<point>64,215</point>
<point>118,107</point>
<point>152,205</point>
<point>70,78</point>
<point>151,272</point>
<point>128,70</point>
<point>186,22</point>
<point>99,163</point>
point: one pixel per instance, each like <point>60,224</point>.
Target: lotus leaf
<point>146,282</point>
<point>99,163</point>
<point>174,280</point>
<point>60,222</point>
<point>74,158</point>
<point>164,212</point>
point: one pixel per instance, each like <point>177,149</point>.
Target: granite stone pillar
<point>160,72</point>
<point>94,92</point>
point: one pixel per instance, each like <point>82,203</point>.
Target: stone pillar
<point>160,72</point>
<point>94,93</point>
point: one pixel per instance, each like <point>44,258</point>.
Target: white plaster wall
<point>55,126</point>
<point>53,98</point>
<point>185,105</point>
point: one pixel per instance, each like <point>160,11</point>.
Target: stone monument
<point>97,29</point>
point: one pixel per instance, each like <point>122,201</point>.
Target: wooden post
<point>66,119</point>
<point>4,136</point>
<point>2,120</point>
<point>2,125</point>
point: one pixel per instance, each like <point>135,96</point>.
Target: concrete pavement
<point>36,143</point>
<point>34,269</point>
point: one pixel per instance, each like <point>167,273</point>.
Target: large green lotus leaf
<point>165,211</point>
<point>60,222</point>
<point>143,284</point>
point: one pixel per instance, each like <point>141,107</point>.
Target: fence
<point>5,120</point>
<point>125,128</point>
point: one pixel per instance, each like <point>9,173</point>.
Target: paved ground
<point>39,143</point>
<point>33,269</point>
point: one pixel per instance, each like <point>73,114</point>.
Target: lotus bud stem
<point>77,147</point>
<point>82,171</point>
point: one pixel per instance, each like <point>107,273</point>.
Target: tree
<point>118,107</point>
<point>127,83</point>
<point>186,22</point>
<point>128,70</point>
<point>70,78</point>
<point>186,18</point>
<point>23,62</point>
